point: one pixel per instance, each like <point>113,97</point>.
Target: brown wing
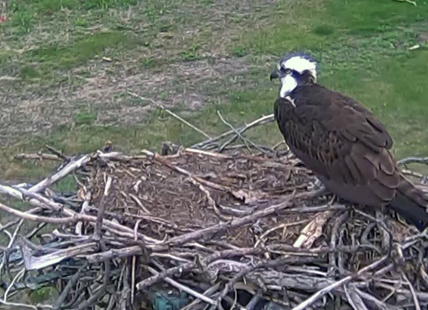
<point>340,140</point>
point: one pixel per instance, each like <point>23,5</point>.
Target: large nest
<point>204,230</point>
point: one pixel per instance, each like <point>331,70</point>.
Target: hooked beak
<point>274,75</point>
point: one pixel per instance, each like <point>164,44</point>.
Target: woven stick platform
<point>214,226</point>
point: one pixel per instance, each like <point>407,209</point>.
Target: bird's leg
<point>318,183</point>
<point>318,188</point>
<point>315,184</point>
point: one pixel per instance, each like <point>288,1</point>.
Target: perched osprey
<point>342,142</point>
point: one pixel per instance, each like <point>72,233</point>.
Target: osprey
<point>342,142</point>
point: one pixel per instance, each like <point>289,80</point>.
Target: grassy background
<point>66,65</point>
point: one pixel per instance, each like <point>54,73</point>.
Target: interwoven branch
<point>214,225</point>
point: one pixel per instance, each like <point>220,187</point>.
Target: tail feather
<point>411,203</point>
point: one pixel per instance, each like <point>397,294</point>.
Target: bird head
<point>293,70</point>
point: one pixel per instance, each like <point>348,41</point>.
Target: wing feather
<point>356,175</point>
<point>339,139</point>
<point>366,168</point>
<point>349,150</point>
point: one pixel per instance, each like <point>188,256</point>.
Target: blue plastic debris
<point>169,300</point>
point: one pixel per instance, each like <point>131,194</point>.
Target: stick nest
<point>215,230</point>
<point>185,193</point>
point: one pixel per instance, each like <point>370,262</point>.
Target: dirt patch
<point>170,40</point>
<point>180,83</point>
<point>190,85</point>
<point>186,45</point>
<point>423,37</point>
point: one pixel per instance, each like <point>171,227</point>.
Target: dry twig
<point>213,225</point>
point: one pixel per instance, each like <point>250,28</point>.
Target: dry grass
<point>230,224</point>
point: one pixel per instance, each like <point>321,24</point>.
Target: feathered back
<point>348,149</point>
<point>337,138</point>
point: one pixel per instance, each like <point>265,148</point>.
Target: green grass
<point>66,65</point>
<point>69,63</point>
<point>79,51</point>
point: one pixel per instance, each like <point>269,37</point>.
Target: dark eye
<point>286,70</point>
